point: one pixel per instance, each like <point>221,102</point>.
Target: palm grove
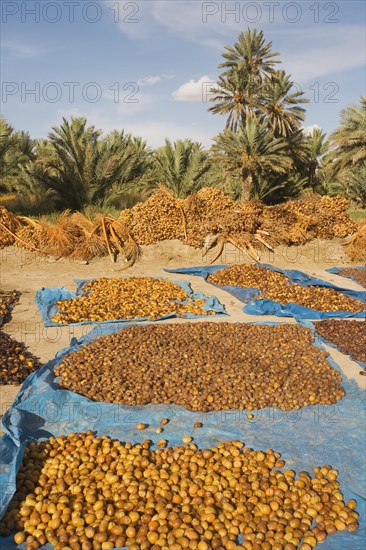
<point>261,153</point>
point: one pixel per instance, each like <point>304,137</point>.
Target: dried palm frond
<point>356,244</point>
<point>112,254</point>
<point>9,226</point>
<point>209,242</point>
<point>27,234</point>
<point>25,238</point>
<point>90,244</point>
<point>220,241</point>
<point>7,198</point>
<point>117,239</point>
<point>81,221</point>
<point>262,241</point>
<point>28,222</point>
<point>241,242</point>
<point>361,232</point>
<point>124,241</point>
<point>61,238</point>
<point>132,251</point>
<point>89,247</point>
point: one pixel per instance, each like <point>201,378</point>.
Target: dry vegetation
<point>206,219</point>
<point>356,244</point>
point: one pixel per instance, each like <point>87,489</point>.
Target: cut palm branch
<point>7,198</point>
<point>243,244</point>
<point>220,244</point>
<point>20,240</point>
<point>90,244</point>
<point>210,241</point>
<point>262,241</point>
<point>356,244</point>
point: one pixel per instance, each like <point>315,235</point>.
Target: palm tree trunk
<point>247,188</point>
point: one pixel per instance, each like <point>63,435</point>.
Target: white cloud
<point>134,19</point>
<point>20,49</point>
<point>154,79</point>
<point>149,81</point>
<point>194,90</point>
<point>181,17</point>
<point>308,130</point>
<point>308,50</point>
<point>313,56</point>
<point>193,21</point>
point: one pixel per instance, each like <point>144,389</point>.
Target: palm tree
<point>355,185</point>
<point>124,164</point>
<point>255,151</point>
<point>313,163</point>
<point>32,198</point>
<point>252,56</point>
<point>279,106</point>
<point>83,169</point>
<point>66,160</point>
<point>248,64</point>
<point>219,177</point>
<point>180,166</point>
<point>231,99</point>
<point>351,184</point>
<point>349,139</point>
<point>16,149</point>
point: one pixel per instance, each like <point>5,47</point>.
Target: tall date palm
<point>279,104</point>
<point>247,65</point>
<point>254,150</point>
<point>251,86</point>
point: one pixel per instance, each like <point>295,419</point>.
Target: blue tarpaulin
<point>271,307</point>
<point>46,299</point>
<point>337,271</point>
<point>311,436</point>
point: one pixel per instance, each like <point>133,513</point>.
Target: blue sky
<point>144,66</point>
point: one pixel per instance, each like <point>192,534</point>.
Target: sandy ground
<point>27,272</point>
